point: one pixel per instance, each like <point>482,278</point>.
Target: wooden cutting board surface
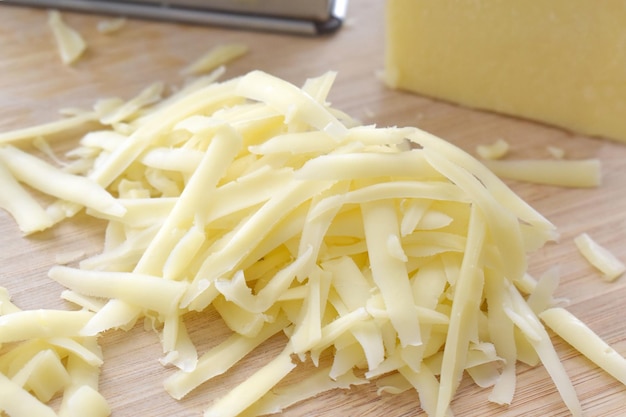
<point>34,85</point>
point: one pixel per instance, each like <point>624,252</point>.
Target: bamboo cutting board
<point>34,85</point>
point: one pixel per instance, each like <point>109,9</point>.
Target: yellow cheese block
<point>562,62</point>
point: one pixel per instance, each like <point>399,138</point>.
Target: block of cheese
<point>562,62</point>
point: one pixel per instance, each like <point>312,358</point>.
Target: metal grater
<point>309,17</point>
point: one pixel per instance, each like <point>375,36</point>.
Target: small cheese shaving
<point>600,257</point>
<point>496,150</point>
<point>69,42</point>
<point>216,57</point>
<point>111,26</point>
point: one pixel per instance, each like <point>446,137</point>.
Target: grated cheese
<point>257,199</point>
<point>556,152</point>
<point>17,401</point>
<point>45,357</point>
<point>560,172</point>
<point>253,388</point>
<point>583,339</point>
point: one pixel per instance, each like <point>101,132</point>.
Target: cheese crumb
<point>556,152</point>
<point>110,26</point>
<point>496,150</point>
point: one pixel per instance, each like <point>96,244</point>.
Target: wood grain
<point>34,85</point>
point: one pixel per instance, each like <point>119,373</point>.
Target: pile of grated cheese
<point>389,248</point>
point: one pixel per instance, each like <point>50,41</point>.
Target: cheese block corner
<point>561,62</point>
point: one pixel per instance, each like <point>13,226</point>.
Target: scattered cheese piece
<point>496,150</point>
<point>600,257</point>
<point>48,129</point>
<point>69,42</point>
<point>110,26</point>
<point>69,257</point>
<point>216,57</point>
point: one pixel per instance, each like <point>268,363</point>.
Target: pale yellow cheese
<point>560,62</point>
<point>70,43</point>
<point>43,359</point>
<point>110,26</point>
<point>256,199</point>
